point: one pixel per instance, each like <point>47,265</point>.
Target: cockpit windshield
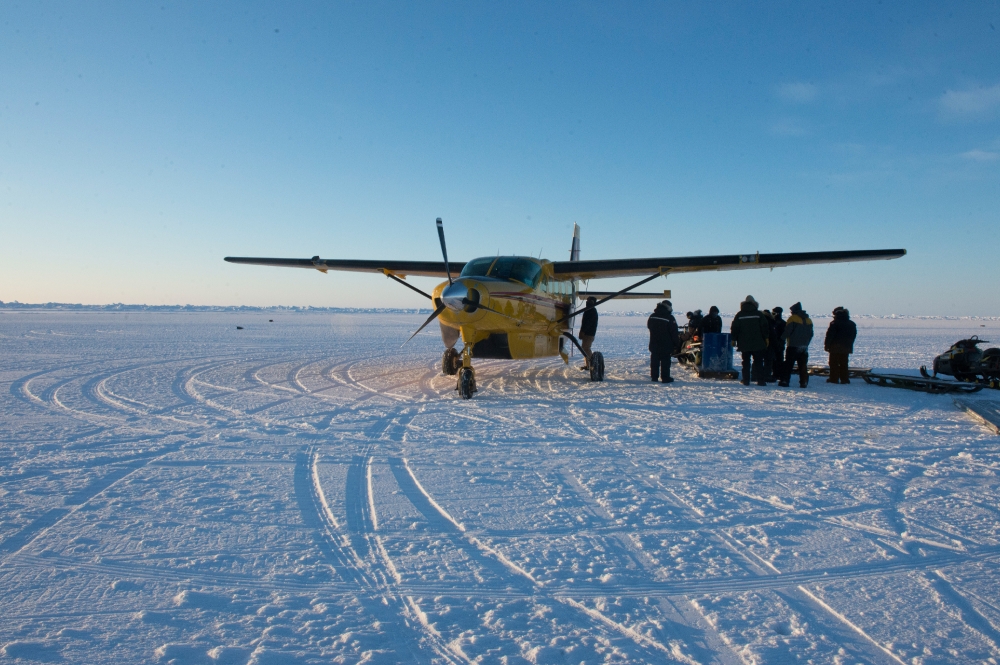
<point>522,270</point>
<point>505,267</point>
<point>477,267</point>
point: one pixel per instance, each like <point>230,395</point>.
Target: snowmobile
<point>691,354</point>
<point>967,362</point>
<point>690,348</point>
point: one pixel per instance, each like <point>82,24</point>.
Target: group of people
<point>772,347</point>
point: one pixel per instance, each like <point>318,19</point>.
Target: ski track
<point>547,519</point>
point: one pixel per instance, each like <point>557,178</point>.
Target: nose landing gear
<point>466,384</point>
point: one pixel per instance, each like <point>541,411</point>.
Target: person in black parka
<point>839,344</point>
<point>697,320</point>
<point>750,333</point>
<point>588,330</point>
<point>663,340</point>
<point>712,323</point>
<point>777,346</point>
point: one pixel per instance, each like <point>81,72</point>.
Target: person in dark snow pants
<point>663,340</point>
<point>798,334</point>
<point>588,330</point>
<point>839,344</point>
<point>777,345</point>
<point>750,332</point>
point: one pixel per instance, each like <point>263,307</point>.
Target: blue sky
<point>142,142</point>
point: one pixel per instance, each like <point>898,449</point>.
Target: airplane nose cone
<point>459,297</point>
<point>454,296</point>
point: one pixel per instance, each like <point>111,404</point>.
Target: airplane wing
<point>401,268</point>
<point>631,295</point>
<point>638,267</point>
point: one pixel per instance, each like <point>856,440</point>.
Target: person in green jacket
<point>798,333</point>
<point>749,334</point>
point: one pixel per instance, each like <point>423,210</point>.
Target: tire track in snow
<point>438,517</point>
<point>798,598</point>
<point>361,552</point>
<point>16,543</point>
<point>968,613</point>
<point>425,503</point>
<point>757,565</point>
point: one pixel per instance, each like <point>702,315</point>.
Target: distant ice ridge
<point>121,307</point>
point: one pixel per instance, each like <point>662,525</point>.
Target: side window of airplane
<point>477,267</point>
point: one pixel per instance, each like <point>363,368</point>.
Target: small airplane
<point>519,307</point>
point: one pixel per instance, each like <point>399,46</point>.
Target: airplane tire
<point>466,383</point>
<point>450,362</point>
<point>597,366</point>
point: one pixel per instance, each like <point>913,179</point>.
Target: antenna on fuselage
<point>574,251</point>
<point>444,249</point>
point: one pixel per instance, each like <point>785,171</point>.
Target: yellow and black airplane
<point>517,307</point>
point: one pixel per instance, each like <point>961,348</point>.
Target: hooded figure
<point>588,329</point>
<point>777,346</point>
<point>695,323</point>
<point>750,332</point>
<point>663,340</point>
<point>712,323</point>
<point>839,344</point>
<point>798,334</point>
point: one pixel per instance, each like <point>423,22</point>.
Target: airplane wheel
<point>466,382</point>
<point>596,366</point>
<point>450,362</point>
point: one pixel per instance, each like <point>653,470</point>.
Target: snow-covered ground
<point>175,489</point>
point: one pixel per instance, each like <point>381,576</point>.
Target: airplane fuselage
<point>529,308</point>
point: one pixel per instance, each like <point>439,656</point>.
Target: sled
<point>923,384</point>
<point>987,413</point>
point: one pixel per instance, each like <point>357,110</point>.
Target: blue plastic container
<point>716,353</point>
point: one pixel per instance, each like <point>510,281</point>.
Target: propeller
<point>444,249</point>
<point>439,306</point>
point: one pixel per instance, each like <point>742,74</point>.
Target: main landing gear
<point>596,363</point>
<point>455,363</point>
<point>596,366</point>
<point>450,362</point>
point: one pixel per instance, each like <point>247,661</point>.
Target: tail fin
<point>574,252</point>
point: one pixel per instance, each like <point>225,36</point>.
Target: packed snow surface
<point>307,491</point>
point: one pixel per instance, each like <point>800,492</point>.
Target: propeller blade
<point>444,249</point>
<point>434,315</point>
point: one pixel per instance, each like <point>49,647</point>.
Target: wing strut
<point>409,286</point>
<point>613,295</point>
